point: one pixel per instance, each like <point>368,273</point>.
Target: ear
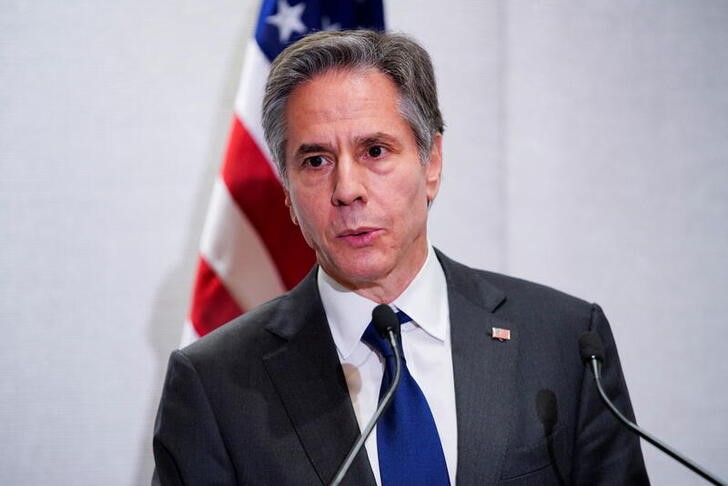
<point>288,204</point>
<point>433,168</point>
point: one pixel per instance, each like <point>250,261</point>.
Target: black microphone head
<point>590,346</point>
<point>384,319</point>
<point>547,409</point>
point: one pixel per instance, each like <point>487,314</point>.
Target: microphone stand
<point>596,369</point>
<point>344,468</point>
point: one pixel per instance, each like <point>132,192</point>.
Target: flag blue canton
<point>282,22</point>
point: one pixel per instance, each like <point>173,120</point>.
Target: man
<point>279,395</point>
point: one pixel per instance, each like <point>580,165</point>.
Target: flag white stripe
<point>250,275</point>
<point>248,101</point>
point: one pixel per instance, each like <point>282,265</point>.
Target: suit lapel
<point>306,372</point>
<point>484,371</point>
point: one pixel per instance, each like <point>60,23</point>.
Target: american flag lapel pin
<point>500,334</point>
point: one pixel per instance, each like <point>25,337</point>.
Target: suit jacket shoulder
<point>261,400</point>
<point>492,288</point>
<point>528,405</point>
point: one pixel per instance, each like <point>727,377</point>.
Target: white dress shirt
<point>426,345</point>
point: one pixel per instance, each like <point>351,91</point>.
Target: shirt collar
<point>425,299</point>
<point>348,313</point>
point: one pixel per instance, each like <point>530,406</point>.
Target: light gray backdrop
<point>586,148</point>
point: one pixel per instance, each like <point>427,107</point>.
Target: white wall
<point>586,148</point>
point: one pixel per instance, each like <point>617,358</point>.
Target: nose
<point>349,183</point>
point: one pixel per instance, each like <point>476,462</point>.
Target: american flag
<point>250,251</point>
<point>501,334</point>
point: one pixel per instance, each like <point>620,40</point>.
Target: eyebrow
<point>376,137</point>
<point>308,148</point>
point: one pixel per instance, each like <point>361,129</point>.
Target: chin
<point>360,273</point>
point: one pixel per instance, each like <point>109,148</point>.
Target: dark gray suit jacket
<point>263,400</point>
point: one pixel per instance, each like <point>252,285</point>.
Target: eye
<point>376,151</point>
<point>314,161</point>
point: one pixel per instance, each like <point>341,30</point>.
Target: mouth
<point>359,237</point>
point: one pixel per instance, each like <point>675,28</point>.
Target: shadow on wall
<point>172,298</point>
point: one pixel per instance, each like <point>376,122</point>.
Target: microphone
<point>547,409</point>
<point>592,354</point>
<point>387,325</point>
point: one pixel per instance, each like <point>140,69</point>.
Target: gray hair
<point>405,62</point>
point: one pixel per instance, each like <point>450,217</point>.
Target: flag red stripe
<point>212,304</point>
<point>257,191</point>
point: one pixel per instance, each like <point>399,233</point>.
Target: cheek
<point>311,216</point>
<point>410,189</point>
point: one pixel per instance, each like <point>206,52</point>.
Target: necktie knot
<point>381,345</point>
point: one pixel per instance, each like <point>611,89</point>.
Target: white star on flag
<point>288,20</point>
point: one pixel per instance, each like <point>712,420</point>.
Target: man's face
<point>355,183</point>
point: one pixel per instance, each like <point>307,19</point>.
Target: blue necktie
<point>410,452</point>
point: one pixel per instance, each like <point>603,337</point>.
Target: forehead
<point>341,98</point>
<point>346,84</point>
